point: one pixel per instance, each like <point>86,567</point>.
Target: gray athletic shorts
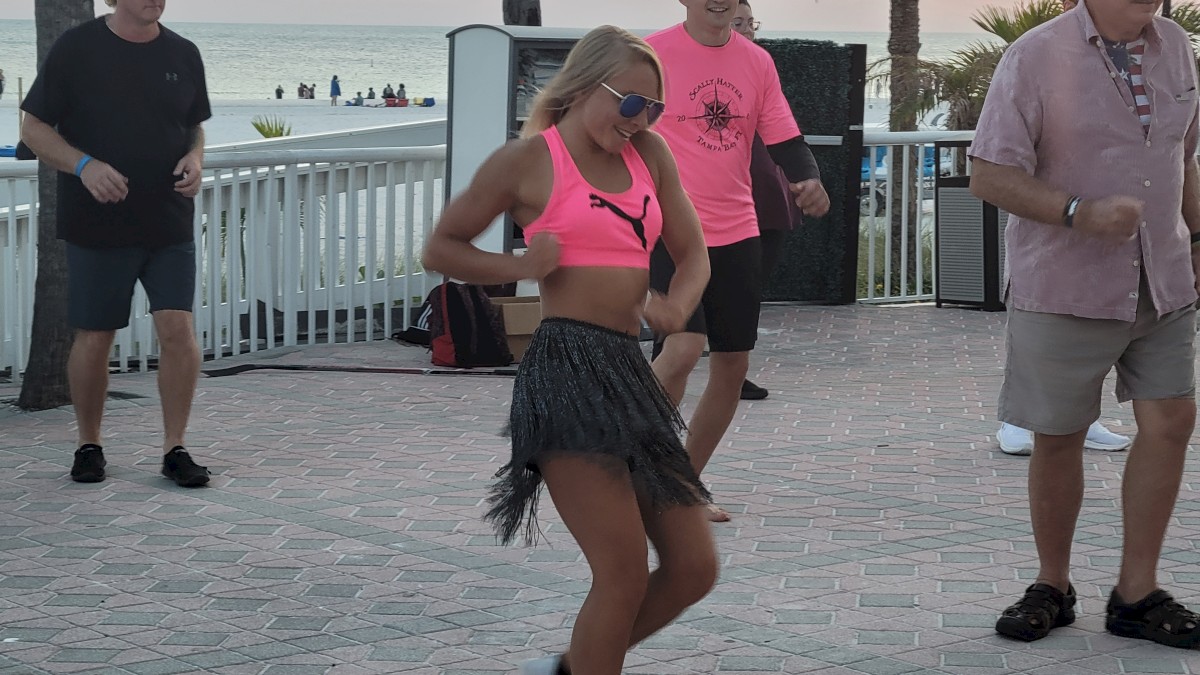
<point>101,282</point>
<point>1057,363</point>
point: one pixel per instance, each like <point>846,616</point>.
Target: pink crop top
<point>596,228</point>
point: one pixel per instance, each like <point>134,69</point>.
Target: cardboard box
<point>521,317</point>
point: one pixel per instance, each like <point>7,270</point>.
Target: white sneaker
<point>1014,440</point>
<point>1017,441</point>
<point>1100,438</point>
<point>547,665</point>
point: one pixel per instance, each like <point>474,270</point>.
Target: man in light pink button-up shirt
<point>1088,136</point>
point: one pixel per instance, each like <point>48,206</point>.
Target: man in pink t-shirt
<point>720,90</point>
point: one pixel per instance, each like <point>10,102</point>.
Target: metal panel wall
<point>960,246</point>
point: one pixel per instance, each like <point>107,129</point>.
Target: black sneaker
<point>89,463</point>
<point>179,467</point>
<point>753,392</point>
<point>1156,617</point>
<point>1041,608</point>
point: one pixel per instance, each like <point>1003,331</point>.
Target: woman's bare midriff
<point>612,297</point>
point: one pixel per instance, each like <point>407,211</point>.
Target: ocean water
<point>247,61</point>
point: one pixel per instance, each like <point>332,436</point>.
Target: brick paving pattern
<point>877,528</point>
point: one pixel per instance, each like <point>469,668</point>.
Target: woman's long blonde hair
<point>601,55</point>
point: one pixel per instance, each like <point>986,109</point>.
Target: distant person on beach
<point>312,91</point>
<point>721,90</point>
<point>358,99</point>
<point>400,92</point>
<point>588,415</point>
<point>388,92</point>
<point>1102,250</point>
<point>335,90</point>
<point>279,91</point>
<point>2,83</point>
<point>126,186</point>
<point>371,93</point>
<point>302,91</point>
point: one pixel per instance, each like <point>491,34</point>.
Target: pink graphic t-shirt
<point>717,97</point>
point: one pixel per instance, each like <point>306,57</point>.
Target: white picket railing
<point>294,247</point>
<point>18,261</point>
<point>887,275</point>
<point>268,279</point>
<point>309,246</point>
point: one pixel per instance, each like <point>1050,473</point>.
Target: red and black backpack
<point>466,330</point>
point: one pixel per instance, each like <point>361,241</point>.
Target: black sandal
<point>1042,608</point>
<point>1156,617</point>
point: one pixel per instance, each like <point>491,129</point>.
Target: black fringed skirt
<point>588,390</point>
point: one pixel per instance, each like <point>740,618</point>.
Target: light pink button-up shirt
<point>1058,109</point>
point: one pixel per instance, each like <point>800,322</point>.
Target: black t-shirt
<point>134,106</point>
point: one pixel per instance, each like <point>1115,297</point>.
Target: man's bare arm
<point>105,183</point>
<point>190,166</point>
<point>50,147</point>
<point>1115,218</point>
<point>197,144</point>
<point>1015,191</point>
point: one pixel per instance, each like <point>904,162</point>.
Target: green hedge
<point>820,259</point>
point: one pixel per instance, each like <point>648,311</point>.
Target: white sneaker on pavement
<point>1014,440</point>
<point>1017,441</point>
<point>547,665</point>
<point>1100,438</point>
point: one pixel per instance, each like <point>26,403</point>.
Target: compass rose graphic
<point>716,114</point>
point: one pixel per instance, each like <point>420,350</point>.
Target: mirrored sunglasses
<point>632,105</point>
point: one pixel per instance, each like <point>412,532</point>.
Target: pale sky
<point>793,15</point>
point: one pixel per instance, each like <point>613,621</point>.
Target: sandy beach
<point>231,119</point>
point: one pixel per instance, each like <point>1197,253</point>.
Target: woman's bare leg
<point>598,505</point>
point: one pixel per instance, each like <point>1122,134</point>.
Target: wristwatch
<point>1070,210</point>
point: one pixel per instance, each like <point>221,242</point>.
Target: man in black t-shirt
<point>129,155</point>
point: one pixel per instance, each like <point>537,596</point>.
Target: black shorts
<point>101,282</point>
<point>728,311</point>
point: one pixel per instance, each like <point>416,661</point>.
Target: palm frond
<point>271,126</point>
<point>1008,24</point>
<point>1187,16</point>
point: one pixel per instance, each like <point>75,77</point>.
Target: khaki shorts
<point>1057,363</point>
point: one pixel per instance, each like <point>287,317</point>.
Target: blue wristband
<point>82,163</point>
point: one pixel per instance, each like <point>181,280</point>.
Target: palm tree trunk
<point>904,46</point>
<point>45,384</point>
<point>522,12</point>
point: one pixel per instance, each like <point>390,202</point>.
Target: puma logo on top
<point>639,227</point>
